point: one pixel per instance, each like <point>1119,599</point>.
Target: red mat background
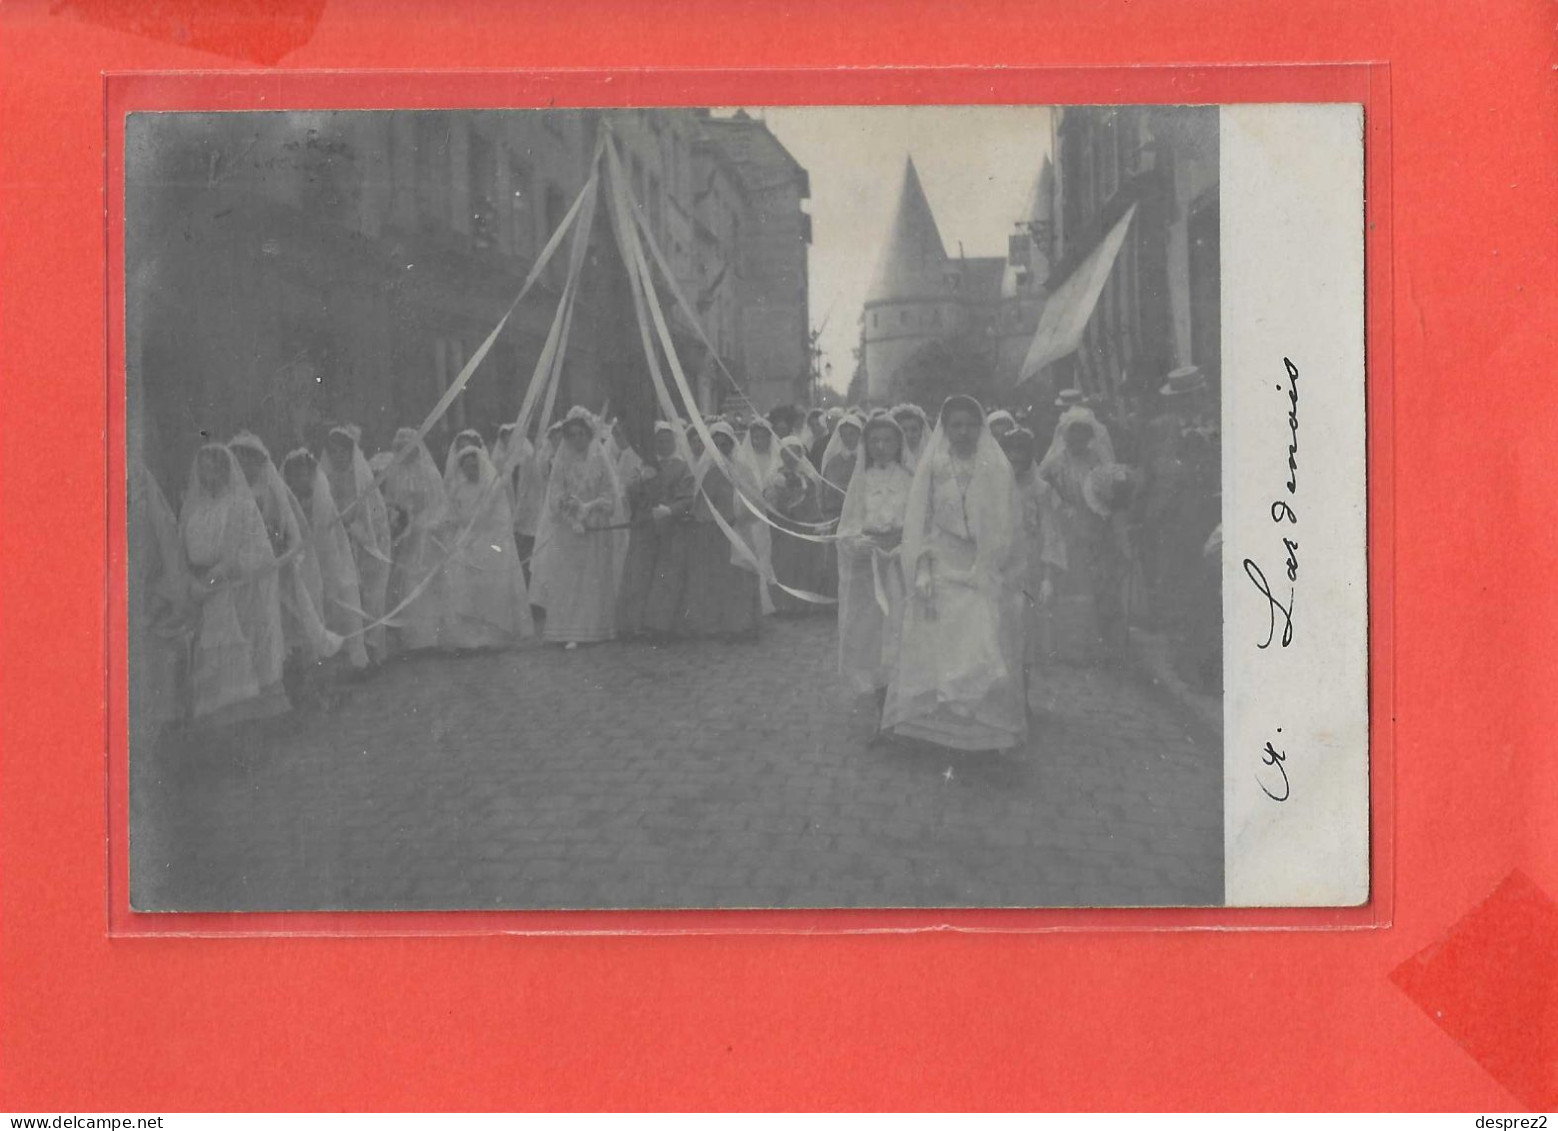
<point>1463,402</point>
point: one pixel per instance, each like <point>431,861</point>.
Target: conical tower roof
<point>914,262</point>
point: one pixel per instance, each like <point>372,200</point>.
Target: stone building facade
<point>771,235</point>
<point>1160,306</point>
<point>289,271</point>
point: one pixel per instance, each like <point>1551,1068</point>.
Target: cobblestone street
<point>695,774</point>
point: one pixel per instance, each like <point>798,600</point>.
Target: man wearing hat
<point>1181,506</point>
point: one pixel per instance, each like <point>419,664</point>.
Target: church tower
<point>911,301</point>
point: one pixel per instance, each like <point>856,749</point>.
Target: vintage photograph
<point>717,507</point>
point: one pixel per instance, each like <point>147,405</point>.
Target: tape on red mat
<point>256,33</point>
<point>1491,983</point>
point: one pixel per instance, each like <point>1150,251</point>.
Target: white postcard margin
<point>1295,708</point>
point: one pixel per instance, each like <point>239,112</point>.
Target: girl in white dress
<point>757,457</point>
<point>159,605</point>
<point>301,583</point>
<point>957,682</point>
<point>840,458</point>
<point>367,525</point>
<point>341,594</point>
<point>485,603</point>
<point>239,649</point>
<point>415,494</point>
<point>579,559</point>
<point>871,586</point>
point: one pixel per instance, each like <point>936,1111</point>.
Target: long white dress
<point>159,605</point>
<point>871,589</point>
<point>417,584</point>
<point>239,650</point>
<point>300,585</point>
<point>485,603</point>
<point>362,510</point>
<point>578,559</point>
<point>541,552</point>
<point>753,471</point>
<point>958,680</point>
<point>514,457</point>
<point>341,595</point>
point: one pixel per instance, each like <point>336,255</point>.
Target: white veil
<point>759,465</point>
<point>302,584</point>
<point>238,639</point>
<point>852,518</point>
<point>1079,414</point>
<point>803,464</point>
<point>1000,415</point>
<point>990,506</point>
<point>836,443</point>
<point>482,508</point>
<point>747,468</point>
<point>225,522</point>
<point>342,606</point>
<point>989,515</point>
<point>353,490</point>
<point>413,482</point>
<point>564,457</point>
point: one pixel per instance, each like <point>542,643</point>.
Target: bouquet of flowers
<point>596,514</point>
<point>572,511</point>
<point>582,516</point>
<point>883,520</point>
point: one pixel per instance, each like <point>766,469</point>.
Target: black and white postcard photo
<point>763,507</point>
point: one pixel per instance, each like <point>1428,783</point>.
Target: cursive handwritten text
<point>1283,513</point>
<point>1275,758</point>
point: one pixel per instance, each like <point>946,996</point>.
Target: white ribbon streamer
<point>642,285</point>
<point>547,371</point>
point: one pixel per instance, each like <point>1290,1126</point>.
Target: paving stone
<point>690,775</point>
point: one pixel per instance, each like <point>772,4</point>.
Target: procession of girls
<point>960,564</point>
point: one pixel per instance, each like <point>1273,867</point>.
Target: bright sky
<point>977,163</point>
